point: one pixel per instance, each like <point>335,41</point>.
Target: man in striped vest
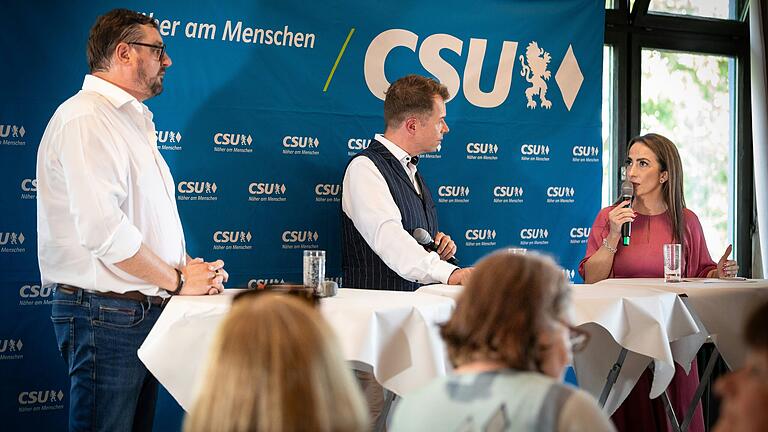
<point>384,198</point>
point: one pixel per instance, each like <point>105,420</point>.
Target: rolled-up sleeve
<point>95,172</point>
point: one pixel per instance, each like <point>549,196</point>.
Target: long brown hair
<point>507,302</point>
<point>672,189</point>
<point>275,367</point>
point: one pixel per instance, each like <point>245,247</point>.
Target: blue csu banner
<point>264,104</point>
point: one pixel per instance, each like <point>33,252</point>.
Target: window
<point>722,9</point>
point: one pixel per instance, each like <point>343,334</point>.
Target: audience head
<point>514,311</point>
<point>745,392</point>
<point>275,366</point>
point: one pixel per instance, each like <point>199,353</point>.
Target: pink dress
<point>643,258</point>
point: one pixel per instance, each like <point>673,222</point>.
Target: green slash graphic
<point>338,59</point>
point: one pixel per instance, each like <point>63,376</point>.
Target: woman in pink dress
<point>658,216</point>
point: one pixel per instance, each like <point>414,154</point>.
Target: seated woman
<point>275,366</point>
<point>658,216</point>
<point>509,340</point>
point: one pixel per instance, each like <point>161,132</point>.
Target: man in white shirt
<point>110,240</point>
<point>384,198</point>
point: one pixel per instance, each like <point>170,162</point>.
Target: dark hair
<point>756,330</point>
<point>507,302</point>
<point>115,26</point>
<point>411,95</point>
<point>672,189</point>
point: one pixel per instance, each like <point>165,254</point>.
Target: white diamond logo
<point>60,395</point>
<point>248,236</point>
<point>214,187</point>
<point>569,78</point>
<point>178,137</point>
<point>19,345</point>
<point>21,238</point>
<point>249,140</point>
<point>22,131</point>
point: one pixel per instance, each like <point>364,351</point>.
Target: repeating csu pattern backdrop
<point>267,100</point>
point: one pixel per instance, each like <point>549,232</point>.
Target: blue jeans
<point>110,388</point>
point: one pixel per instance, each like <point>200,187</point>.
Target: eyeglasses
<point>303,292</point>
<point>160,47</point>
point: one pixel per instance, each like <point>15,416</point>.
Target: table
<point>392,334</point>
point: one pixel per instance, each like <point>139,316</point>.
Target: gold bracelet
<point>610,248</point>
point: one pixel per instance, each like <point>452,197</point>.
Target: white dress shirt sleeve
<point>95,172</point>
<point>366,200</point>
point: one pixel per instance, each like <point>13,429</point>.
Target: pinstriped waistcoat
<point>361,267</point>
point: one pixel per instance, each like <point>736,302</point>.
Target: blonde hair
<point>275,366</point>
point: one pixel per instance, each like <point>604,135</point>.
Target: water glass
<point>672,262</point>
<point>314,269</point>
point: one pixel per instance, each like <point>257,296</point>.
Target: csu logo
<point>198,187</point>
<point>327,189</point>
<point>232,139</point>
<point>478,148</point>
<point>232,237</point>
<point>534,233</point>
<point>560,192</point>
<point>453,191</point>
<point>40,397</point>
<point>168,137</point>
<point>254,283</point>
<point>300,142</point>
<point>266,189</point>
<point>534,150</point>
<point>580,232</point>
<point>10,345</point>
<point>507,191</point>
<point>35,291</point>
<point>585,151</point>
<point>12,131</point>
<point>299,236</point>
<point>29,185</point>
<point>534,69</point>
<point>13,238</point>
<point>480,234</point>
<point>358,143</point>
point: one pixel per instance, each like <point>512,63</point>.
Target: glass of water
<point>672,262</point>
<point>314,269</point>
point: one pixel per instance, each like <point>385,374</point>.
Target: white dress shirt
<point>103,190</point>
<point>366,200</point>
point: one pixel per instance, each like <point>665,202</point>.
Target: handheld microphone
<point>627,193</point>
<point>423,238</point>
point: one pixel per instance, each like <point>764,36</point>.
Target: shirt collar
<point>393,148</point>
<point>114,94</point>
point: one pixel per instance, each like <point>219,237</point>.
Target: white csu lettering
<point>429,56</point>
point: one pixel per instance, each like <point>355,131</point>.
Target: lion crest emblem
<point>535,72</point>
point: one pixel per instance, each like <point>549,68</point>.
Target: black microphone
<point>423,238</point>
<point>627,193</point>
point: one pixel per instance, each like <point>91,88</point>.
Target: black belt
<point>130,295</point>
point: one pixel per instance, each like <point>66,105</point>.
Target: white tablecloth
<point>394,334</point>
<point>720,307</point>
